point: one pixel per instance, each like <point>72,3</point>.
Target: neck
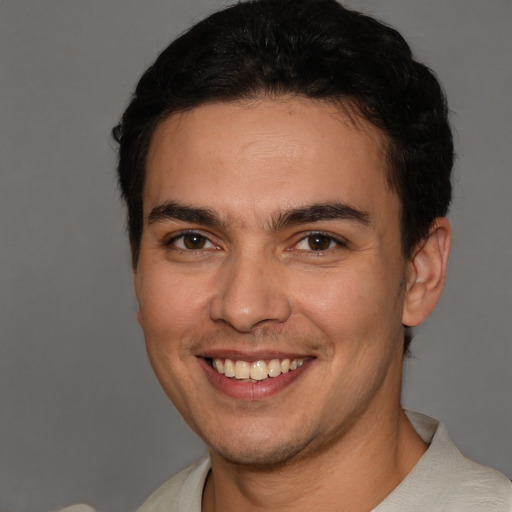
<point>353,473</point>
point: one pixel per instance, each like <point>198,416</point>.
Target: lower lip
<point>252,391</point>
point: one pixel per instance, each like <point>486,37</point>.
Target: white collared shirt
<point>443,480</point>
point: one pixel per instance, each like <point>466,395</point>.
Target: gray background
<point>82,417</point>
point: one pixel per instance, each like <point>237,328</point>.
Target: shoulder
<point>478,487</point>
<point>182,492</point>
<point>444,479</point>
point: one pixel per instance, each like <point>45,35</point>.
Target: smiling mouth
<point>255,371</point>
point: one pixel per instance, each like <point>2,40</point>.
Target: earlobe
<point>427,274</point>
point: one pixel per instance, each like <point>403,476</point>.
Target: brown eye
<point>319,242</point>
<point>190,242</point>
<point>193,241</point>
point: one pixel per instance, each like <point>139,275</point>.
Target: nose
<point>250,293</point>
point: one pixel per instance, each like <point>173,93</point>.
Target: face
<point>271,279</point>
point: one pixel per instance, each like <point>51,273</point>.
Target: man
<point>286,167</point>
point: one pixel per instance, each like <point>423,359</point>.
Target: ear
<point>426,273</point>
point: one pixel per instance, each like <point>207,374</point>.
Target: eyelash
<point>172,241</point>
<point>338,242</point>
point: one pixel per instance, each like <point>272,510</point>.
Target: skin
<point>253,287</point>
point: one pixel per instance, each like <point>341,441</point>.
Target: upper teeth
<point>258,370</point>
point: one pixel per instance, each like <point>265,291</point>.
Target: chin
<point>261,459</point>
<point>251,449</point>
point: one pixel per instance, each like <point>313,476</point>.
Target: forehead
<point>264,155</point>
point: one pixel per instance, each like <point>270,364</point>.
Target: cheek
<point>170,308</point>
<point>170,304</point>
<point>350,303</point>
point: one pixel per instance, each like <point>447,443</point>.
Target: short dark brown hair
<point>316,49</point>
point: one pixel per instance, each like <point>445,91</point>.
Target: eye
<point>191,242</point>
<point>317,242</point>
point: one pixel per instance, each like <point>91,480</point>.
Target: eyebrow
<point>294,216</point>
<point>319,212</point>
<point>175,211</point>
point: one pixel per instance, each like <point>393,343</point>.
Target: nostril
<point>245,298</point>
